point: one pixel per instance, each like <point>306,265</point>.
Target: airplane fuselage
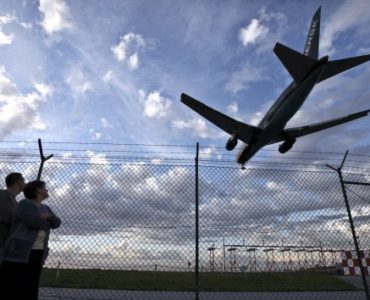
<point>285,107</point>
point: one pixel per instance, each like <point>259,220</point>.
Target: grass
<point>184,281</point>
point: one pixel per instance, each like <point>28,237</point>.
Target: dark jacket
<point>26,224</point>
<point>8,205</point>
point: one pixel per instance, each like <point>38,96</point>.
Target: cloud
<point>264,30</point>
<point>105,123</point>
<point>95,135</point>
<point>77,81</point>
<point>7,87</point>
<point>26,25</point>
<point>208,152</point>
<point>155,105</point>
<point>108,76</point>
<point>255,118</point>
<point>133,62</point>
<point>241,79</point>
<point>56,16</point>
<point>198,127</point>
<point>20,111</point>
<point>4,38</point>
<point>43,89</point>
<point>253,33</point>
<point>6,19</point>
<point>232,108</point>
<point>129,47</point>
<point>348,15</point>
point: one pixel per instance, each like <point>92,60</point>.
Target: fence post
<point>339,171</point>
<point>197,224</point>
<point>42,158</point>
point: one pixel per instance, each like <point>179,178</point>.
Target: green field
<point>184,281</point>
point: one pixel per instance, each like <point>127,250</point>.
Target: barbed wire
<point>170,146</point>
<point>160,152</point>
<point>212,157</point>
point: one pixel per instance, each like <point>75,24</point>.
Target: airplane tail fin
<point>337,66</point>
<point>299,64</point>
<point>311,48</point>
<point>296,63</point>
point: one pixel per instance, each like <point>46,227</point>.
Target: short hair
<point>30,190</point>
<point>12,178</point>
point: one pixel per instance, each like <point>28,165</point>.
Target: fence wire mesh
<point>128,230</point>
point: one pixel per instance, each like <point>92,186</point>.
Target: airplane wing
<point>243,131</point>
<point>305,130</point>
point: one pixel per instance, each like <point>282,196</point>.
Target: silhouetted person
<point>14,185</point>
<point>27,246</point>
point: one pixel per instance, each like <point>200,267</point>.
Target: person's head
<point>15,182</point>
<point>36,190</point>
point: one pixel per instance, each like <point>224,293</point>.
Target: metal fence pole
<point>197,224</point>
<point>42,158</point>
<point>353,230</point>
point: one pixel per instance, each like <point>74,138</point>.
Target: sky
<point>113,71</point>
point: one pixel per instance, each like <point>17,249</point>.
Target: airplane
<point>307,70</point>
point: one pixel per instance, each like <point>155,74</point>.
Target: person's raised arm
<point>53,219</point>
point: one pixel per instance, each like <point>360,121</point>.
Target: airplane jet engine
<point>231,143</point>
<point>286,146</point>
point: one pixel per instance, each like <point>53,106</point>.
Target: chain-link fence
<point>128,231</point>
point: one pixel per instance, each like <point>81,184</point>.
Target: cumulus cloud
<point>108,76</point>
<point>43,89</point>
<point>128,49</point>
<point>95,135</point>
<point>105,123</point>
<point>6,19</point>
<point>253,32</point>
<point>7,86</point>
<point>155,105</point>
<point>77,81</point>
<point>259,30</point>
<point>131,194</point>
<point>259,205</point>
<point>232,108</point>
<point>6,39</point>
<point>133,62</point>
<point>56,16</point>
<point>26,25</point>
<point>20,111</point>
